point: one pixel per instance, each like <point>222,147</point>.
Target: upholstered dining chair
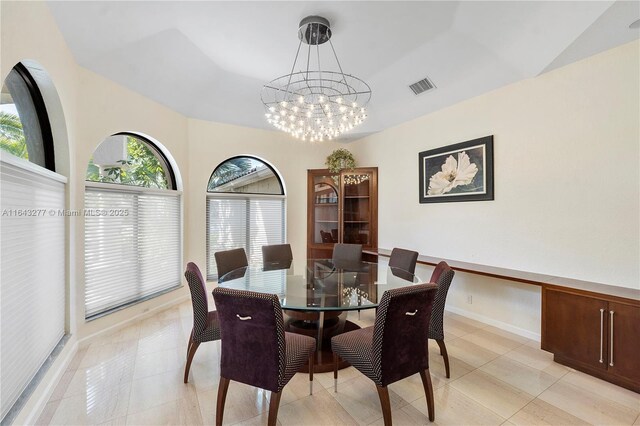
<point>229,260</point>
<point>404,259</point>
<point>442,276</point>
<point>346,254</point>
<point>255,348</point>
<point>392,348</point>
<point>276,256</point>
<point>206,327</point>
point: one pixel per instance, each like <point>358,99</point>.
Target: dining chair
<point>326,237</point>
<point>442,276</point>
<point>255,348</point>
<point>346,254</point>
<point>276,256</point>
<point>229,260</point>
<point>206,327</point>
<point>391,349</point>
<point>404,259</point>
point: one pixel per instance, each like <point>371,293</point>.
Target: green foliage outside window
<point>12,137</point>
<point>141,168</point>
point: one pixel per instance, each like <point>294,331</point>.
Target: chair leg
<point>274,404</point>
<point>191,351</point>
<point>383,393</point>
<point>443,352</point>
<point>428,391</point>
<point>336,360</point>
<point>222,397</point>
<point>311,356</point>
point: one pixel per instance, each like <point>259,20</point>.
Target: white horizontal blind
<point>243,222</point>
<point>32,276</point>
<point>132,249</point>
<point>266,221</point>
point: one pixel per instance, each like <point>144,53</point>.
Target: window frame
<point>171,191</point>
<point>248,196</point>
<point>46,174</point>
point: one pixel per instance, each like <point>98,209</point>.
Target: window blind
<point>243,222</point>
<point>32,277</point>
<point>132,245</point>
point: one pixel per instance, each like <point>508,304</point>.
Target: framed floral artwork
<point>459,172</point>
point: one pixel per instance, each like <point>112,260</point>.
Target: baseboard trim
<point>494,322</point>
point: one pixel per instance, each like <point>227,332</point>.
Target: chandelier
<point>315,104</point>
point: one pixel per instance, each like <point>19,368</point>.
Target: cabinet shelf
<point>339,211</point>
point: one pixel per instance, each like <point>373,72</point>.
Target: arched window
<point>133,225</point>
<point>32,200</point>
<point>245,208</point>
<point>24,124</point>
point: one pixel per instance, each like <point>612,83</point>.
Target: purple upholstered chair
<point>392,348</point>
<point>228,260</point>
<point>205,324</point>
<point>442,276</point>
<point>255,348</point>
<point>403,259</point>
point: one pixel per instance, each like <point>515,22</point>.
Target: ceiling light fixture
<point>315,104</point>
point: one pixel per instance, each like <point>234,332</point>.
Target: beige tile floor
<point>134,377</point>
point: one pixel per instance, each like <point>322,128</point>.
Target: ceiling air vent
<point>422,86</point>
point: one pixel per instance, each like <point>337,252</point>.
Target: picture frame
<point>458,172</point>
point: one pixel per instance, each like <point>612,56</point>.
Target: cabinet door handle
<point>601,333</point>
<point>611,338</point>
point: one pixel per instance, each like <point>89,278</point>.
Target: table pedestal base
<point>330,327</point>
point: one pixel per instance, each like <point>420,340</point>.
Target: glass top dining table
<point>323,285</point>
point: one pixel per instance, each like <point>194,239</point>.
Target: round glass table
<point>316,300</point>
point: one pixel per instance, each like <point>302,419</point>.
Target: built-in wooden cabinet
<point>341,208</point>
<point>593,333</point>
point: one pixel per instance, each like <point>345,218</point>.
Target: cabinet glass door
<point>356,211</point>
<point>325,209</point>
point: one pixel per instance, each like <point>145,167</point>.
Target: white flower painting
<point>453,174</point>
<point>458,172</point>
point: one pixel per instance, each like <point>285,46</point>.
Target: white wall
<point>567,183</point>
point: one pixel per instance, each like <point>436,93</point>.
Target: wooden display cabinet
<point>341,208</point>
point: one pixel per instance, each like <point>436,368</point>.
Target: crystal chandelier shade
<point>315,104</point>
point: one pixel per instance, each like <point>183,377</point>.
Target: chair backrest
<point>402,319</point>
<point>346,254</point>
<point>326,237</point>
<point>442,276</point>
<point>229,260</point>
<point>278,253</point>
<point>252,333</point>
<point>404,259</point>
<point>198,297</point>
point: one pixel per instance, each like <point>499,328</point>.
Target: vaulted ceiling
<point>209,60</point>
